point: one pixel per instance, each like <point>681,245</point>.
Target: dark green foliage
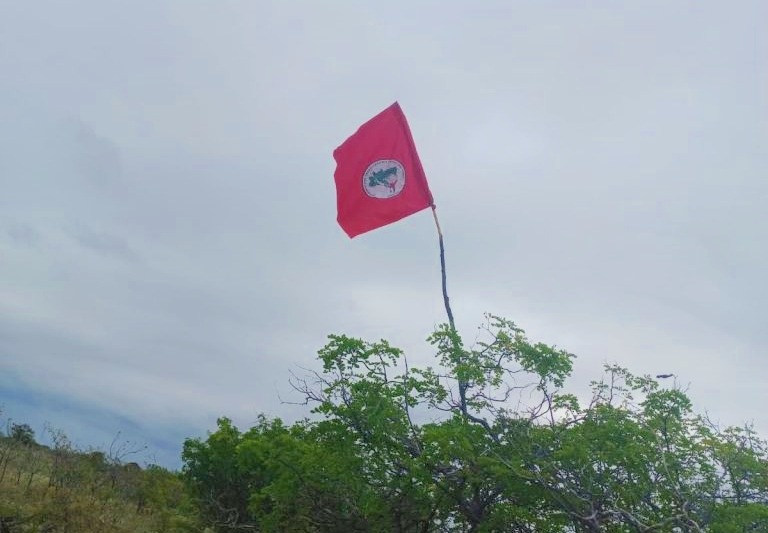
<point>23,434</point>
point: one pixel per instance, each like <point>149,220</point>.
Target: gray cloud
<point>96,158</point>
<point>21,234</point>
<point>103,243</point>
<point>169,244</point>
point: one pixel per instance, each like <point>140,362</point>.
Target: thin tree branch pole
<point>446,300</point>
<point>442,268</point>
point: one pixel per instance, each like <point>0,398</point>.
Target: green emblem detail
<point>379,177</point>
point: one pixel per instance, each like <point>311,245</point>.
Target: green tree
<point>486,440</point>
<point>23,434</point>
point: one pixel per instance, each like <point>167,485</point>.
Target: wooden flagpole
<point>446,301</point>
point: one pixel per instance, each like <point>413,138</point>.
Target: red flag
<point>379,178</point>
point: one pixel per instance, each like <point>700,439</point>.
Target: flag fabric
<point>379,177</point>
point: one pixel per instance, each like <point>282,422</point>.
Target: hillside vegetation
<point>59,489</point>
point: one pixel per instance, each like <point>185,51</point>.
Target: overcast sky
<point>168,243</point>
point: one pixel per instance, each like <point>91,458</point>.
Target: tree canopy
<point>488,439</point>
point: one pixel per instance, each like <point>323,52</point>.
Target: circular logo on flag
<point>384,179</point>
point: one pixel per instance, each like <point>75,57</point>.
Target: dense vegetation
<point>489,439</point>
<point>59,489</point>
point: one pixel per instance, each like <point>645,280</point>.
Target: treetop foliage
<point>487,440</point>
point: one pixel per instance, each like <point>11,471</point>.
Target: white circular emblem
<point>384,179</point>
